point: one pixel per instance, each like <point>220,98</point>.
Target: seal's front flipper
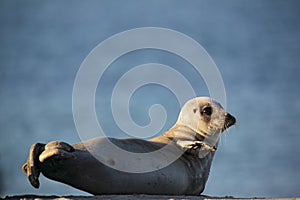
<point>198,148</point>
<point>31,168</point>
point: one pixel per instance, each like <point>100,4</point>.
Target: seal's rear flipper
<point>31,167</point>
<point>24,168</point>
<point>39,153</point>
<point>57,149</point>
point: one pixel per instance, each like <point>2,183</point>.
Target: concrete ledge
<point>133,197</point>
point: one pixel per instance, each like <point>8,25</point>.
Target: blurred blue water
<point>255,44</point>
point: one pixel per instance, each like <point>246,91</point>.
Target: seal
<point>196,134</point>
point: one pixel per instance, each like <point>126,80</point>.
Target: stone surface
<point>133,197</point>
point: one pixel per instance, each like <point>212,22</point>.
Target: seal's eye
<point>207,110</point>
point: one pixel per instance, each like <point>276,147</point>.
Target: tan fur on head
<point>199,126</point>
<point>203,116</point>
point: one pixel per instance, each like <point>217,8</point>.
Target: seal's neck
<point>181,135</point>
<point>181,132</point>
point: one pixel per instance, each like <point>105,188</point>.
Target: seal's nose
<point>229,120</point>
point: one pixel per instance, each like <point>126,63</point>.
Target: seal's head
<point>205,117</point>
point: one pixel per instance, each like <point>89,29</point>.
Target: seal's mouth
<point>229,121</point>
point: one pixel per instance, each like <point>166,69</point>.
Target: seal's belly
<point>97,178</point>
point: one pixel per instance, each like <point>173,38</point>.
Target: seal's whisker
<point>225,136</point>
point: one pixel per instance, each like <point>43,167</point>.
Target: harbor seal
<point>196,134</point>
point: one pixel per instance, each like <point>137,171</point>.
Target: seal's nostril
<point>229,120</point>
